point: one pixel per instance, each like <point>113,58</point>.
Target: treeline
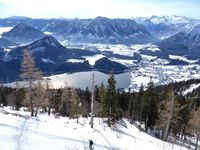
<point>162,111</point>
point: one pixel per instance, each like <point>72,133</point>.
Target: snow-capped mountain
<point>53,58</point>
<point>105,30</point>
<point>166,26</point>
<point>187,41</point>
<point>98,30</point>
<point>22,33</point>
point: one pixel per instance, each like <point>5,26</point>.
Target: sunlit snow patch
<point>93,59</point>
<point>5,29</point>
<point>191,88</point>
<point>75,60</point>
<point>47,60</point>
<point>182,58</point>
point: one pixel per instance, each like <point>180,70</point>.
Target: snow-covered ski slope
<point>20,132</point>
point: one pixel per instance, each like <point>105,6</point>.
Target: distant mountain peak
<point>23,33</point>
<point>18,18</point>
<point>49,40</point>
<point>101,17</point>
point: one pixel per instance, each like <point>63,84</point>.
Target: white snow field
<point>20,132</point>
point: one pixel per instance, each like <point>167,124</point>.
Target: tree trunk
<point>109,117</point>
<point>169,118</point>
<point>36,111</point>
<point>92,102</point>
<point>30,97</point>
<point>49,110</point>
<point>197,140</point>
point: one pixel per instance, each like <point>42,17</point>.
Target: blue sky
<point>93,8</point>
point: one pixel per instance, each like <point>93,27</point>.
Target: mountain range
<point>52,58</point>
<point>98,30</point>
<point>68,45</point>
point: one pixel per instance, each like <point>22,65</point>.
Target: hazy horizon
<point>93,8</point>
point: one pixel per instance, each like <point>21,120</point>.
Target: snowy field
<point>50,133</point>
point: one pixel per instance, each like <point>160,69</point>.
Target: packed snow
<point>21,132</point>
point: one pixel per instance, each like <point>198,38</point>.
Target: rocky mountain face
<point>105,30</point>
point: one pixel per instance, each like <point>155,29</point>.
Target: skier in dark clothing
<point>91,144</point>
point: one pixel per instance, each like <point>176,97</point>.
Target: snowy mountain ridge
<point>166,26</point>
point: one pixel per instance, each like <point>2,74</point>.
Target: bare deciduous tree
<point>40,97</point>
<point>194,125</point>
<point>30,73</point>
<point>76,104</point>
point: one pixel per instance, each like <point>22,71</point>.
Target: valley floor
<point>18,131</point>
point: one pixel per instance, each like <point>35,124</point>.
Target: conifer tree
<point>151,107</point>
<point>141,102</point>
<point>66,101</point>
<point>102,97</point>
<point>111,99</point>
<point>168,112</point>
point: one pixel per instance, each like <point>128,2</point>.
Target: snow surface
<point>48,33</point>
<point>92,59</point>
<point>182,58</point>
<point>75,60</point>
<point>47,60</point>
<point>125,62</point>
<point>125,50</point>
<point>20,132</point>
<point>4,29</point>
<point>191,88</point>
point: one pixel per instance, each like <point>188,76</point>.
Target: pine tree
<point>150,107</point>
<point>102,97</point>
<point>141,102</point>
<point>112,99</point>
<point>66,101</point>
<point>88,99</point>
<point>30,73</point>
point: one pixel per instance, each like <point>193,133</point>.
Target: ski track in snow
<point>50,133</point>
